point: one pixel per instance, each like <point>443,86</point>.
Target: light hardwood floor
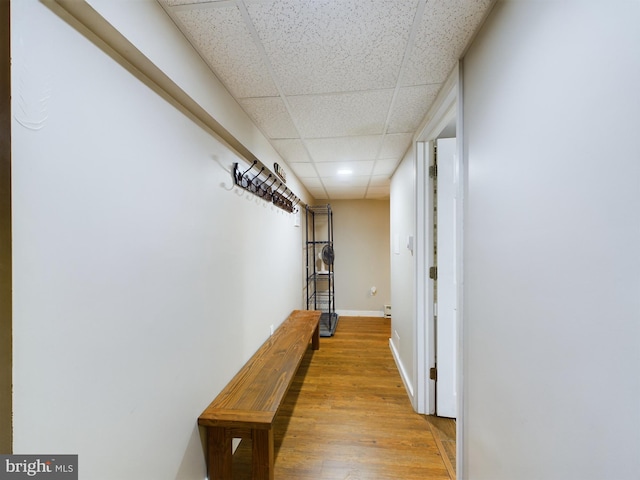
<point>347,416</point>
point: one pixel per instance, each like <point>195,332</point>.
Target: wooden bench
<point>247,406</point>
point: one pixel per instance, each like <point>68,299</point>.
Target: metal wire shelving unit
<point>320,273</point>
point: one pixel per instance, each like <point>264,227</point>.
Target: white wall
<point>552,243</point>
<point>361,242</point>
<point>139,286</point>
<point>402,214</point>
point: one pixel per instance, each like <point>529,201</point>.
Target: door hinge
<point>433,273</point>
<point>433,171</point>
<point>433,373</point>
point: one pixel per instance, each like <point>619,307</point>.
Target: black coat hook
<point>241,178</point>
<point>268,191</point>
<point>275,190</point>
<point>275,179</point>
<point>253,183</point>
<point>262,191</point>
<point>255,162</point>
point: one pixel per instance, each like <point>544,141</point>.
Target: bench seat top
<point>252,398</point>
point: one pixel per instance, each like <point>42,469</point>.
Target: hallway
<point>136,278</point>
<point>347,416</point>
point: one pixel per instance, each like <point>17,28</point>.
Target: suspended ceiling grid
<point>335,85</point>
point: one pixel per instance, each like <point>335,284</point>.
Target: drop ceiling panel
<point>303,170</point>
<point>344,149</point>
<point>318,193</point>
<point>221,36</point>
<point>380,181</point>
<point>333,83</point>
<point>394,146</point>
<point>444,32</point>
<point>334,45</point>
<point>313,182</point>
<point>271,116</point>
<point>408,108</point>
<point>342,182</point>
<point>377,193</point>
<point>347,193</point>
<point>291,150</point>
<point>330,169</point>
<point>359,113</point>
<point>173,3</point>
<point>384,167</point>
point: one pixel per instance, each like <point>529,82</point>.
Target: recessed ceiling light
<point>345,171</point>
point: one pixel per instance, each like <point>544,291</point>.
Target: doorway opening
<point>438,262</point>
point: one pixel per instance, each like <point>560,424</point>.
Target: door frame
<point>447,106</point>
<point>445,109</point>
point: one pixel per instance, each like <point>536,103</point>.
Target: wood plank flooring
<point>347,416</point>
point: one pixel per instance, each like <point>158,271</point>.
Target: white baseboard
<point>360,313</point>
<point>403,373</point>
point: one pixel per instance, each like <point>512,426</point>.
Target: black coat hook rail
<point>258,180</point>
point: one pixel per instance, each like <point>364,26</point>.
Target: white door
<point>445,323</point>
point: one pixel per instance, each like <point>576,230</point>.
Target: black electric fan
<point>328,255</point>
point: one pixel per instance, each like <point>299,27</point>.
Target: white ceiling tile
<point>376,193</point>
<point>395,146</point>
<point>344,149</point>
<point>174,3</point>
<point>291,150</point>
<point>334,45</point>
<point>385,167</point>
<point>410,106</point>
<point>303,170</point>
<point>346,182</point>
<point>437,46</point>
<point>318,193</point>
<point>346,193</point>
<point>330,169</point>
<point>336,68</point>
<point>271,116</point>
<point>224,41</point>
<point>380,181</point>
<point>314,182</point>
<point>355,113</point>
<point>428,66</point>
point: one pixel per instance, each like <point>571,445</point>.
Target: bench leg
<point>262,458</point>
<point>315,340</point>
<point>219,453</point>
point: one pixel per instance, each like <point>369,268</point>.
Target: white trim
<point>461,206</point>
<point>421,403</point>
<point>360,313</point>
<point>403,372</point>
<point>430,308</point>
<point>443,110</point>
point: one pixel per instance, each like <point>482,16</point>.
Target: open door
<point>445,284</point>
